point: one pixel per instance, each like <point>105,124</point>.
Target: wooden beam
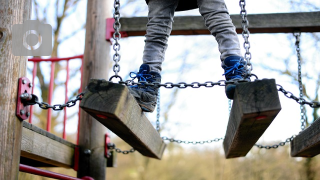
<point>259,23</point>
<point>255,105</point>
<point>113,106</point>
<point>307,143</point>
<point>11,68</point>
<point>96,63</point>
<point>44,147</point>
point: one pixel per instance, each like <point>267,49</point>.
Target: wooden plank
<point>255,105</point>
<point>258,23</point>
<point>11,68</point>
<point>46,148</point>
<point>96,61</point>
<point>113,106</point>
<point>307,143</point>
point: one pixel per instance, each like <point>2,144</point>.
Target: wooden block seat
<point>307,143</point>
<point>254,107</point>
<point>114,107</point>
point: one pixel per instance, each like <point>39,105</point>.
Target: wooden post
<point>95,65</point>
<point>11,68</point>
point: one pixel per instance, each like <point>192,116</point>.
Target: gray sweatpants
<point>160,16</point>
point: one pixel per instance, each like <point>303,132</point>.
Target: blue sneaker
<point>146,96</point>
<point>234,71</point>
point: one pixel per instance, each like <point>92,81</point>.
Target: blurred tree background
<point>180,162</point>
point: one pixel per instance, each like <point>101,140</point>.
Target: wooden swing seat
<point>114,107</point>
<point>254,107</point>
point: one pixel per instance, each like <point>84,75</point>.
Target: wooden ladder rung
<point>114,107</point>
<point>307,143</point>
<point>255,105</point>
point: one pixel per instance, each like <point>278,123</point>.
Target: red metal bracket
<point>76,158</point>
<point>24,86</point>
<point>107,141</point>
<point>110,30</point>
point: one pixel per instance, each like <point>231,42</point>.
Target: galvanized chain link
<point>181,85</point>
<point>116,37</point>
<point>158,112</point>
<point>112,146</point>
<point>191,142</point>
<point>303,119</point>
<point>301,101</point>
<point>132,150</point>
<point>56,107</point>
<point>230,105</point>
<point>276,145</point>
<point>245,35</point>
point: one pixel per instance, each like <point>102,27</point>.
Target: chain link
<point>276,145</point>
<point>230,105</point>
<point>245,35</point>
<point>116,37</point>
<point>56,107</point>
<point>301,101</point>
<point>191,142</point>
<point>302,108</point>
<point>158,112</point>
<point>181,85</point>
<point>112,146</point>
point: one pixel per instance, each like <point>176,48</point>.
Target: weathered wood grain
<point>255,105</point>
<point>11,69</point>
<point>96,63</point>
<point>307,143</point>
<point>259,23</point>
<point>46,148</point>
<point>113,106</point>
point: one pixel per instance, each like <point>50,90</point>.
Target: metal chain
<point>191,142</point>
<point>245,35</point>
<point>302,108</point>
<point>132,150</point>
<point>116,37</point>
<point>301,101</point>
<point>112,146</point>
<point>276,145</point>
<point>181,85</point>
<point>230,105</point>
<point>56,107</point>
<point>158,112</point>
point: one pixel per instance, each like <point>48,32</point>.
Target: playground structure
<point>40,148</point>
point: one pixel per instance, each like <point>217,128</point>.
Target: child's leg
<point>158,30</point>
<point>218,21</point>
<point>159,27</point>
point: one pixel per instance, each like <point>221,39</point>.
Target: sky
<point>202,114</point>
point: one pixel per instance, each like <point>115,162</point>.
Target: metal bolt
<point>24,81</point>
<point>30,85</point>
<point>22,112</point>
<point>28,114</point>
<point>87,152</point>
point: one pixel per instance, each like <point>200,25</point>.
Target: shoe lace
<point>143,76</point>
<point>234,71</point>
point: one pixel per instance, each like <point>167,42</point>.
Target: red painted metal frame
<point>34,73</point>
<point>110,30</point>
<point>51,84</point>
<point>66,100</point>
<point>55,59</point>
<point>80,89</point>
<point>23,112</point>
<point>41,172</point>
